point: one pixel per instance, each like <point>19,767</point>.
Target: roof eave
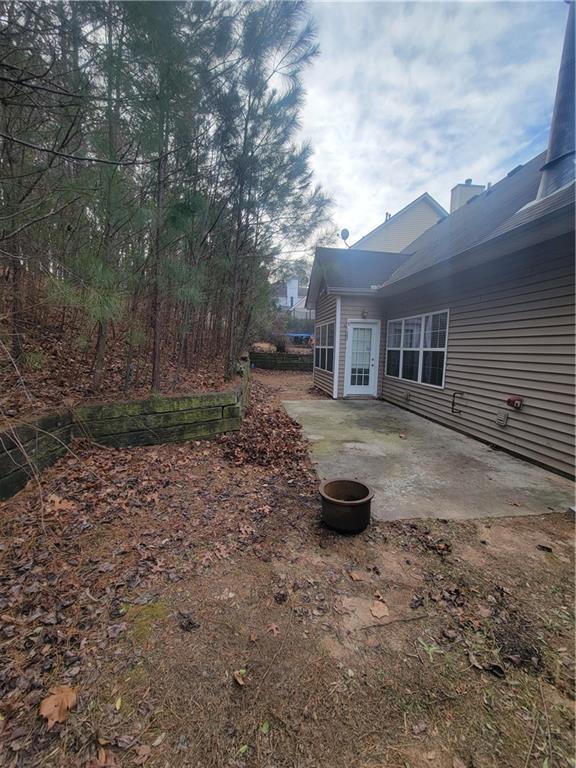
<point>547,227</point>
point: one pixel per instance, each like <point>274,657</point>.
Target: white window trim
<point>317,328</point>
<point>336,371</point>
<point>421,349</point>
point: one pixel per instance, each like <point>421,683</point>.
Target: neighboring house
<point>290,296</point>
<point>398,231</point>
<point>472,324</point>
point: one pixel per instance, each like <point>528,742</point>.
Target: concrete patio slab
<point>420,469</point>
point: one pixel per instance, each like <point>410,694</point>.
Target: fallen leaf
<point>159,739</point>
<point>59,504</point>
<point>187,622</point>
<point>56,706</point>
<point>239,676</point>
<point>495,669</point>
<point>474,661</point>
<point>457,763</point>
<point>114,630</point>
<point>104,759</point>
<point>142,754</point>
<point>243,749</point>
<point>265,727</point>
<point>355,576</point>
<point>253,637</point>
<point>379,596</point>
<point>274,629</point>
<point>379,610</point>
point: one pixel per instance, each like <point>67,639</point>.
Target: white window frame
<point>319,347</point>
<point>421,349</point>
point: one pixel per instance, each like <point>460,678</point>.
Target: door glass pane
<point>323,336</point>
<point>410,364</point>
<point>360,353</point>
<point>412,333</point>
<point>395,333</point>
<point>330,359</point>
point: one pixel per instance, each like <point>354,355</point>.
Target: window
<point>324,347</point>
<point>416,348</point>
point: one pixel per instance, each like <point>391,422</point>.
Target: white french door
<point>362,346</point>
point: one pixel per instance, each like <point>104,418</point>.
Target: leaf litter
<point>250,527</point>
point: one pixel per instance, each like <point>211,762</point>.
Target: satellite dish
<point>344,234</point>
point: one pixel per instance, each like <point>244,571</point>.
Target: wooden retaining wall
<point>28,448</point>
<point>281,361</point>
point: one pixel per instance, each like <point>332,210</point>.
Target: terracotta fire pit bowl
<point>346,504</point>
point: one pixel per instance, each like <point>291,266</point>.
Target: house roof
<point>423,198</point>
<point>537,209</point>
<point>350,270</point>
<point>473,222</point>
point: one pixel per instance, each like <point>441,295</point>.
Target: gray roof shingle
<point>474,222</point>
<point>356,270</point>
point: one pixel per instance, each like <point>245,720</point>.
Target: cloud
<point>417,96</point>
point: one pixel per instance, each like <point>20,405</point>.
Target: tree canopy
<point>150,173</point>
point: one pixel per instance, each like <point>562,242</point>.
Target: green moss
<point>136,677</point>
<point>142,620</point>
<point>156,404</point>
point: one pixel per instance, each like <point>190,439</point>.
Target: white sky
<point>414,97</point>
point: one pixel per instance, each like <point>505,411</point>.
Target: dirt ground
<point>289,385</point>
<point>205,618</point>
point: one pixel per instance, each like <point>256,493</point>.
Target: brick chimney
<point>461,193</point>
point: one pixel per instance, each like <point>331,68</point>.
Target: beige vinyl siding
<point>400,231</point>
<point>351,308</point>
<point>511,332</point>
<point>325,313</point>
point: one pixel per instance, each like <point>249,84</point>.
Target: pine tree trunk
<point>156,300</point>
